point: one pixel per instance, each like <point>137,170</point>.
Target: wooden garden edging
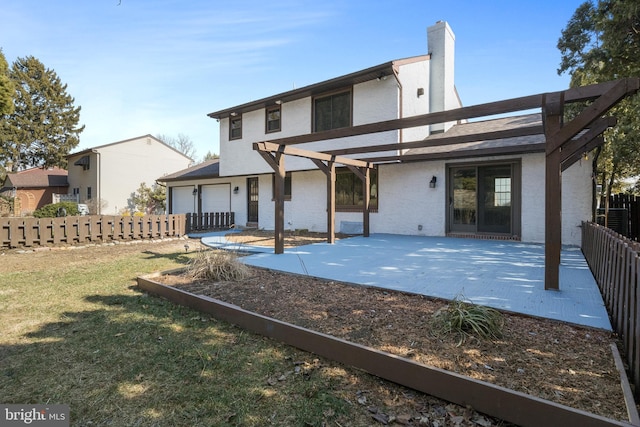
<point>18,232</point>
<point>493,400</point>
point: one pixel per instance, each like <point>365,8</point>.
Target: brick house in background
<point>33,188</point>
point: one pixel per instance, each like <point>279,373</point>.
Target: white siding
<point>118,169</point>
<point>407,205</point>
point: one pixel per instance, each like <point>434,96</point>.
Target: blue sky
<point>160,66</point>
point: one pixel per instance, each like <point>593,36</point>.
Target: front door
<point>252,200</point>
<point>481,199</point>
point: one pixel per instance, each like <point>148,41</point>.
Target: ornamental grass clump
<point>464,319</point>
<point>220,266</point>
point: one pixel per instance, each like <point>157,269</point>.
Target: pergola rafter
<point>564,145</point>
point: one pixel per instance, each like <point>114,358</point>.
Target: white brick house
<point>498,195</point>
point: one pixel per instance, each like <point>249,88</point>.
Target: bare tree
<point>182,143</point>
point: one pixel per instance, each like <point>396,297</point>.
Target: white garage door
<point>182,200</point>
<point>216,198</point>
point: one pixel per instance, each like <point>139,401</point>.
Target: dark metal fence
<point>209,221</point>
<point>615,264</point>
<point>28,232</point>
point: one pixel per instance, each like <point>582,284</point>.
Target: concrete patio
<point>501,274</point>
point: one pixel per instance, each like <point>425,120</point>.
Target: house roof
<point>378,71</point>
<point>519,144</point>
<point>37,178</point>
<point>208,169</point>
<point>97,148</point>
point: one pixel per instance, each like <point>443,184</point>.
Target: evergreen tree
<point>149,200</point>
<point>6,87</point>
<point>43,128</point>
<point>601,43</point>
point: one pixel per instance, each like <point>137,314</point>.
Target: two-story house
<point>492,188</point>
<point>105,177</point>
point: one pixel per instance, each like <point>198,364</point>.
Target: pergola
<point>565,142</point>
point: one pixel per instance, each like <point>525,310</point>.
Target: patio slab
<point>501,274</point>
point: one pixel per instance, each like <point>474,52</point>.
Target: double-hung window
<point>235,127</point>
<point>332,111</point>
<point>272,119</point>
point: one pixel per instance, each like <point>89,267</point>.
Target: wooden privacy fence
<point>623,215</point>
<point>17,232</point>
<point>615,264</point>
<point>208,221</point>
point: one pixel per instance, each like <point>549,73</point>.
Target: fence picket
<point>615,263</point>
<point>17,232</point>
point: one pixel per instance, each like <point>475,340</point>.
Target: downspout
<point>99,182</point>
<point>394,68</point>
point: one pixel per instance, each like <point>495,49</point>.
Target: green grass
<point>76,331</point>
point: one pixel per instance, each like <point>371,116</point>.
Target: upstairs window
<point>272,119</point>
<point>85,162</point>
<point>332,111</point>
<point>235,127</point>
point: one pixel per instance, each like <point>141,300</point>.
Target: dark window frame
<point>268,121</point>
<point>235,133</point>
<point>332,96</point>
<point>346,179</point>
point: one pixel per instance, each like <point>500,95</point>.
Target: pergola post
<point>329,170</point>
<point>365,176</point>
<point>276,161</point>
<point>279,204</point>
<point>552,116</point>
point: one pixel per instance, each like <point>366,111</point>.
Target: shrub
<point>464,319</point>
<point>217,265</point>
<point>51,211</point>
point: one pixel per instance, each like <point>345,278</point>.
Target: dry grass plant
<point>464,319</point>
<point>217,265</point>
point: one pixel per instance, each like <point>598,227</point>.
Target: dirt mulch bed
<point>552,360</point>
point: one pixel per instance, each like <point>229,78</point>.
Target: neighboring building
<point>33,188</point>
<point>489,188</point>
<point>106,177</point>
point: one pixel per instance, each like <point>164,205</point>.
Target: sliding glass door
<point>482,199</point>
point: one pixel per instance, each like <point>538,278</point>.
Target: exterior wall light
<point>432,183</point>
<point>195,191</point>
<point>236,190</point>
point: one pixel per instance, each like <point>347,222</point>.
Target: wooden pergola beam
<point>448,155</point>
<point>438,142</point>
<point>308,154</point>
<point>578,145</point>
<point>584,93</point>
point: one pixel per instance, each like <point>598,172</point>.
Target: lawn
<point>76,331</point>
